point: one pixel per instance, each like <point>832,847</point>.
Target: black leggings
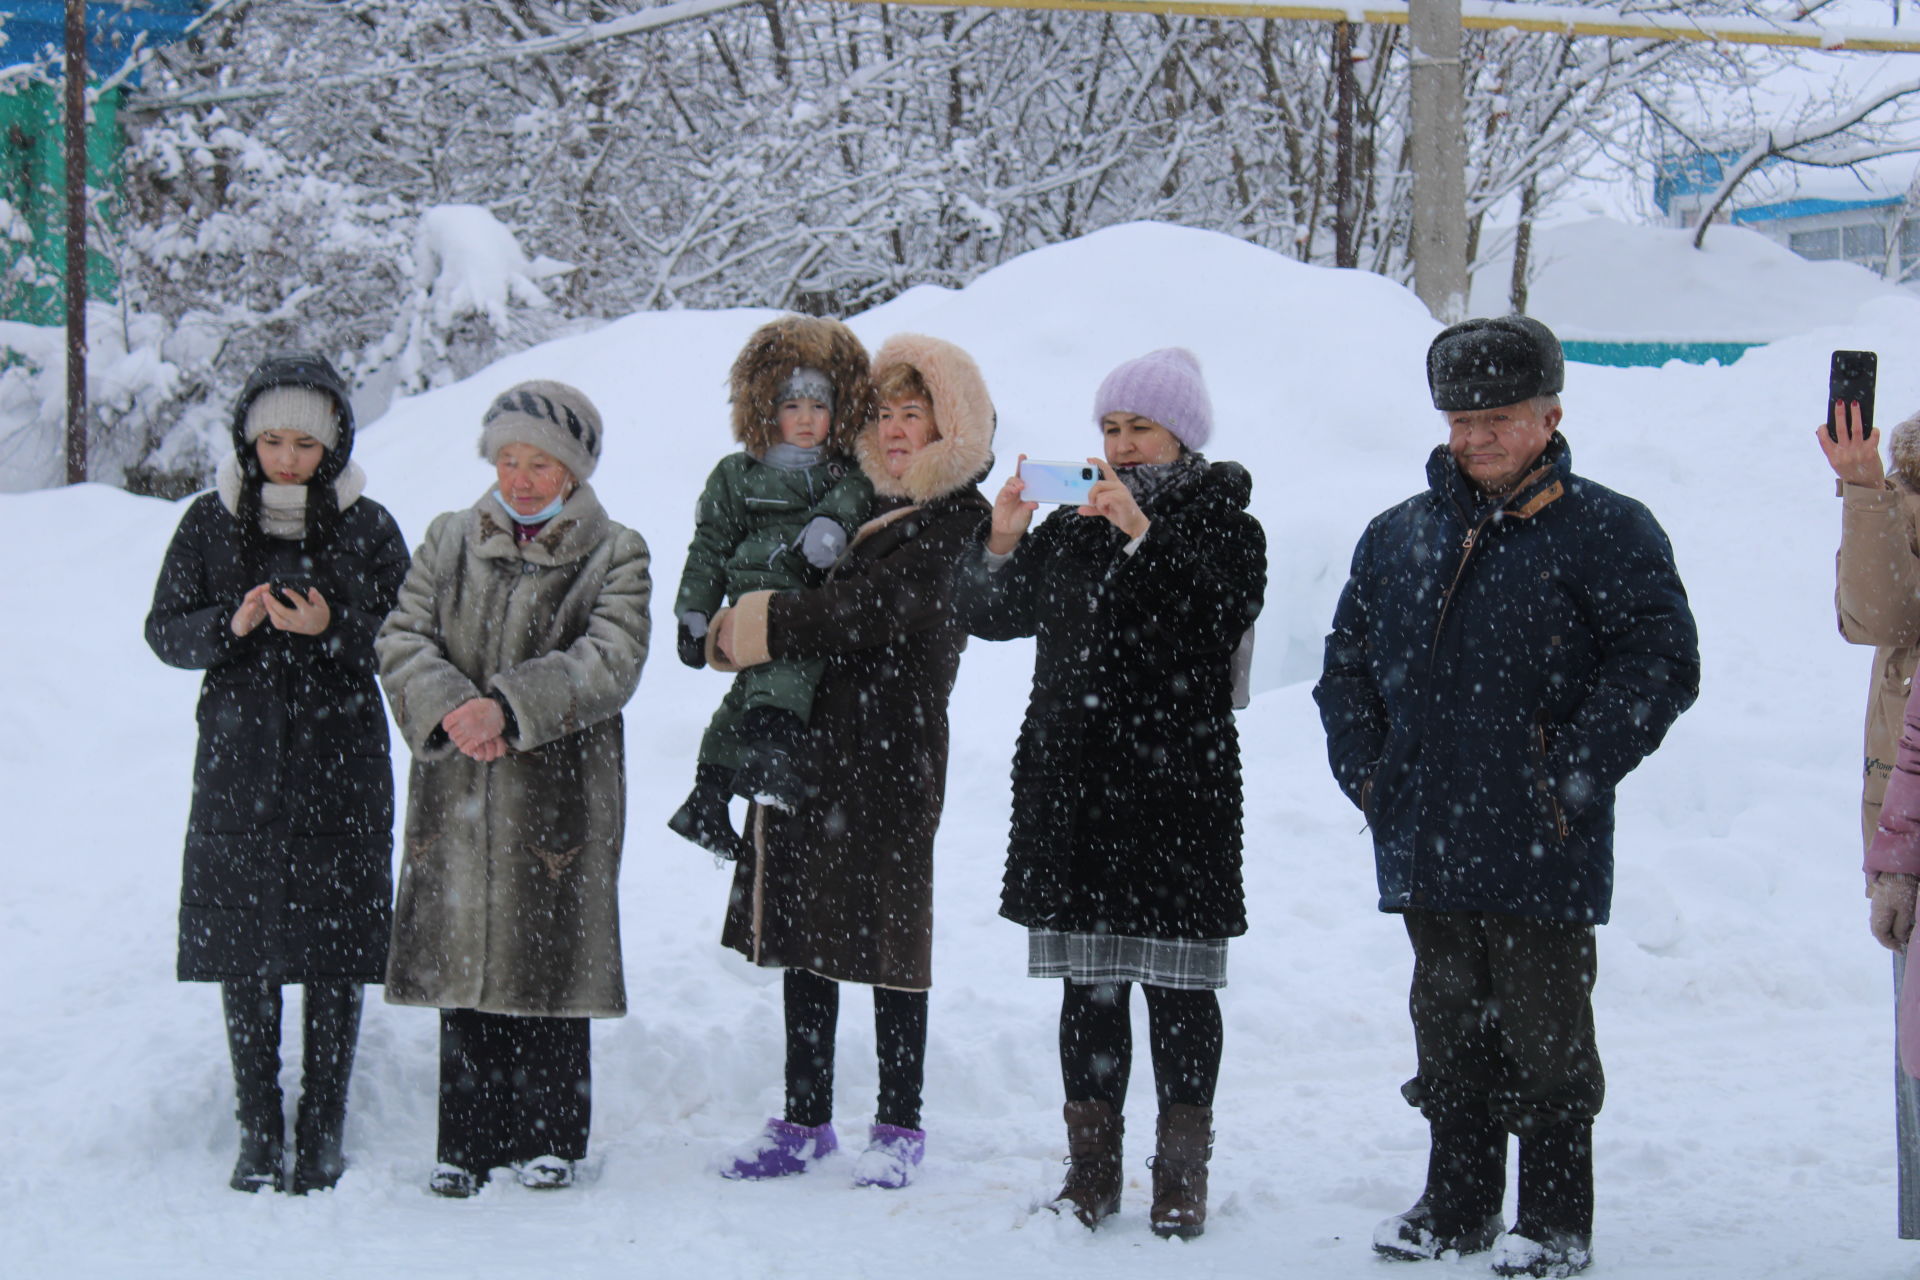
<point>900,1030</point>
<point>1096,1043</point>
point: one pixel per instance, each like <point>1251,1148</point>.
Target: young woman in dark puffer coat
<point>1125,855</point>
<point>274,585</point>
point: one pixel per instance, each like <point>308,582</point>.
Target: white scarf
<point>283,507</point>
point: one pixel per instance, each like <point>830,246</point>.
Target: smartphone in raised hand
<point>1850,378</point>
<point>1066,482</point>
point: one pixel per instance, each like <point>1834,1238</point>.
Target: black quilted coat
<point>287,873</point>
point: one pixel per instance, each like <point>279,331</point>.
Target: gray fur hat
<point>553,417</point>
<point>1485,364</point>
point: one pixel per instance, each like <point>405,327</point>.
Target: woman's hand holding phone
<point>288,610</point>
<point>1852,448</point>
<point>1011,514</point>
<point>1111,499</point>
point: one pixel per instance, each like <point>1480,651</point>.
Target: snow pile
<point>1601,280</point>
<point>1743,1008</point>
<point>467,267</point>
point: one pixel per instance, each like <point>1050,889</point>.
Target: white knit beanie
<point>553,417</point>
<point>307,410</point>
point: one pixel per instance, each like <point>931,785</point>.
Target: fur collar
<point>961,408</point>
<point>572,535</point>
<point>283,507</point>
<point>772,353</point>
<point>1904,445</point>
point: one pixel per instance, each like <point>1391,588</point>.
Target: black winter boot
<point>704,819</point>
<point>1459,1211</point>
<point>1092,1188</point>
<point>252,1011</point>
<point>771,773</point>
<point>332,1029</point>
<point>1554,1234</point>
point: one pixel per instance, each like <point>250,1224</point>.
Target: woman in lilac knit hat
<point>1124,862</point>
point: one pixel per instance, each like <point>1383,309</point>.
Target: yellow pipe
<point>1491,17</point>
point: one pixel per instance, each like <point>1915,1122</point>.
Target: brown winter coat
<point>769,358</point>
<point>844,887</point>
<point>507,899</point>
<point>1877,601</point>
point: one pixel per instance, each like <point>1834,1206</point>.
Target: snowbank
<point>1601,280</point>
<point>1743,1008</point>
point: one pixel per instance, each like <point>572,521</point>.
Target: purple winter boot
<point>782,1150</point>
<point>891,1156</point>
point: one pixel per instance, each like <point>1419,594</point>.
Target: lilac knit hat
<point>1164,385</point>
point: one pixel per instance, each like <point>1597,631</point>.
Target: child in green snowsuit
<point>774,516</point>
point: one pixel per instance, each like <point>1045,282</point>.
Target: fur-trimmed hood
<point>773,352</point>
<point>962,410</point>
<point>1904,445</point>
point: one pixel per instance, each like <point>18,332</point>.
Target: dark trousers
<point>1096,1043</point>
<point>900,1032</point>
<point>1503,1021</point>
<point>512,1088</point>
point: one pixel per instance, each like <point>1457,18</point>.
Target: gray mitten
<point>822,542</point>
<point>1891,917</point>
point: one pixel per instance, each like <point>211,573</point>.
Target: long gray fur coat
<point>507,900</point>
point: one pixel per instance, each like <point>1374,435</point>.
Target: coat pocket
<point>1543,785</point>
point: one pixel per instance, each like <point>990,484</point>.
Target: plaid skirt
<point>1190,964</point>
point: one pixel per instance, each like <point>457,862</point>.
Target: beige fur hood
<point>962,410</point>
<point>773,352</point>
<point>1903,442</point>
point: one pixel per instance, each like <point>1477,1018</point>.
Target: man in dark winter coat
<point>1511,643</point>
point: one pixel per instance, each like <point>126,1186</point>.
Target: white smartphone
<point>1057,481</point>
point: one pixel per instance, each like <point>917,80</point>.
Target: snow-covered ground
<point>1743,1008</point>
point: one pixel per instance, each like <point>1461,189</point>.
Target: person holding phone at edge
<point>1877,602</point>
<point>1124,858</point>
<point>842,890</point>
<point>274,585</point>
<point>1511,642</point>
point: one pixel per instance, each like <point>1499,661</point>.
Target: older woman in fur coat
<point>518,638</point>
<point>842,891</point>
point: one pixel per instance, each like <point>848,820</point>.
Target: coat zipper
<point>1467,545</point>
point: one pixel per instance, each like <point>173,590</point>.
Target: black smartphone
<point>286,584</point>
<point>1850,378</point>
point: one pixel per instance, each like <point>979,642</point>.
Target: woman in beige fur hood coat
<point>1877,601</point>
<point>842,891</point>
<point>519,636</point>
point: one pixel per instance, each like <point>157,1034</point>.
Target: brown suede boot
<point>1092,1189</point>
<point>1180,1171</point>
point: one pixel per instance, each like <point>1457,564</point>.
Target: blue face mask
<point>541,516</point>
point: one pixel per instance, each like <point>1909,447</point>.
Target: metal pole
<point>1345,214</point>
<point>1439,159</point>
<point>76,141</point>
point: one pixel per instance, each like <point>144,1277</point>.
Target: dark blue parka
<point>1496,666</point>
